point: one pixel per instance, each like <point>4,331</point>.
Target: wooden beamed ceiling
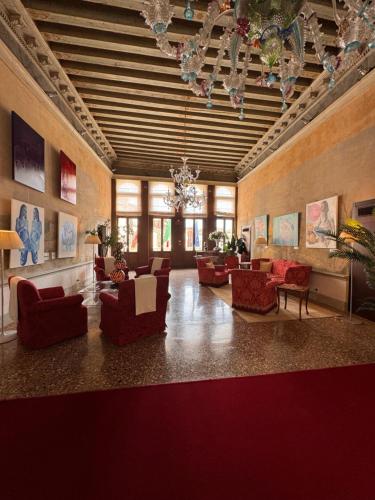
<point>136,95</point>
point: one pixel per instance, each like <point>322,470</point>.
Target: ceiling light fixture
<point>275,28</point>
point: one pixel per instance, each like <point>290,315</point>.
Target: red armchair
<point>118,319</point>
<point>211,275</point>
<point>252,291</point>
<point>46,316</point>
<point>164,271</point>
<point>231,262</point>
<point>286,271</point>
<point>100,270</point>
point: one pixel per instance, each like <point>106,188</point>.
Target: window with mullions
<point>193,235</point>
<point>161,235</point>
<point>225,226</point>
<point>128,233</point>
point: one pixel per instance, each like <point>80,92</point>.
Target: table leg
<point>285,298</point>
<point>300,306</point>
<point>307,299</point>
<point>278,301</point>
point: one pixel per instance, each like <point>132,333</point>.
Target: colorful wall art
<point>67,236</point>
<point>285,230</point>
<point>261,226</point>
<point>28,221</point>
<point>321,215</point>
<point>68,179</point>
<point>28,154</point>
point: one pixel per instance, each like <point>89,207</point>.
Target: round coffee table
<point>302,292</point>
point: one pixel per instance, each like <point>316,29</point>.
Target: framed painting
<point>28,221</point>
<point>68,183</point>
<point>67,236</point>
<point>27,154</point>
<point>321,215</point>
<point>261,227</point>
<point>285,230</point>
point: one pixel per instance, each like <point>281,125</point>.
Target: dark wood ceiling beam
<point>157,79</point>
<point>169,160</point>
<point>120,20</point>
<point>117,116</point>
<point>189,115</point>
<point>152,135</point>
<point>126,44</point>
<point>128,90</point>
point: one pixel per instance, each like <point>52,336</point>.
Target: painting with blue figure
<point>285,230</point>
<point>67,236</point>
<point>28,221</point>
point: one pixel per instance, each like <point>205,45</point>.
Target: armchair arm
<point>109,300</point>
<point>164,271</point>
<point>220,267</point>
<point>206,274</point>
<point>52,292</point>
<point>59,303</point>
<point>142,270</point>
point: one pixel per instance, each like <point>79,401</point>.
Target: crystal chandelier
<point>276,30</point>
<point>186,194</point>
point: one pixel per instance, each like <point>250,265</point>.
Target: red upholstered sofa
<point>164,271</point>
<point>253,291</point>
<point>285,271</point>
<point>46,316</point>
<point>211,276</point>
<point>100,270</point>
<point>118,319</point>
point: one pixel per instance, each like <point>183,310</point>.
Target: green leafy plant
<point>356,244</point>
<point>241,246</point>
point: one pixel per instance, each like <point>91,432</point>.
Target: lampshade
<point>348,238</point>
<point>9,240</point>
<point>261,240</point>
<point>92,239</point>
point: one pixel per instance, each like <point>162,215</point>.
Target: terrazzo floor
<point>205,339</point>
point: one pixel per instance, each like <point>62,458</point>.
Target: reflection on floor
<point>205,339</point>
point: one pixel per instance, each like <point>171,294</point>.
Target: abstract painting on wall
<point>28,154</point>
<point>28,221</point>
<point>321,215</point>
<point>68,179</point>
<point>67,236</point>
<point>285,230</point>
<point>261,226</point>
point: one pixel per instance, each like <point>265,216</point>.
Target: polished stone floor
<point>205,339</point>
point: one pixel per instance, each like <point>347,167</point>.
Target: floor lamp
<point>349,240</point>
<point>9,240</point>
<point>92,239</point>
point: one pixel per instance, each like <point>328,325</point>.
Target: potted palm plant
<point>356,244</point>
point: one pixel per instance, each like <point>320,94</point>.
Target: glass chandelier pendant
<point>186,194</point>
<point>276,29</point>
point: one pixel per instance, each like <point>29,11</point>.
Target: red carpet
<point>306,436</point>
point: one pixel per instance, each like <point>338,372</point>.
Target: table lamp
<point>92,239</point>
<point>9,240</point>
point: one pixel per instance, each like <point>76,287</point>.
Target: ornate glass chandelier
<point>186,194</point>
<point>274,29</point>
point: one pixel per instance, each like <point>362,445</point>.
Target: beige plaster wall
<point>19,93</point>
<point>334,155</point>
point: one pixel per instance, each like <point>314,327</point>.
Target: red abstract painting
<point>68,179</point>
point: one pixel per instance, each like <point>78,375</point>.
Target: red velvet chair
<point>118,319</point>
<point>46,316</point>
<point>164,271</point>
<point>100,270</point>
<point>231,262</point>
<point>212,276</point>
<point>286,271</point>
<point>252,291</point>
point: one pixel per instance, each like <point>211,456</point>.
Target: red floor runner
<point>306,435</point>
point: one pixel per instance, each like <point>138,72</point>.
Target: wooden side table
<point>302,292</point>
